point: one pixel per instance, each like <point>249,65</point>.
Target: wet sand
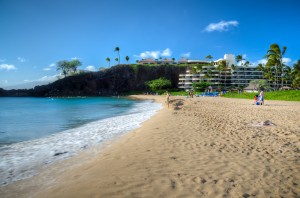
<point>200,147</point>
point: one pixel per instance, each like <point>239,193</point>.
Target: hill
<point>117,80</point>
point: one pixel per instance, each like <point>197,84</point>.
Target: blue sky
<point>35,34</point>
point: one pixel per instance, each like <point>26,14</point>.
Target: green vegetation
<point>117,49</point>
<point>295,75</point>
<point>159,84</point>
<point>200,86</point>
<point>68,67</point>
<point>260,84</point>
<point>108,60</point>
<point>289,95</point>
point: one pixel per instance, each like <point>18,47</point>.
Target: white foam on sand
<point>21,160</point>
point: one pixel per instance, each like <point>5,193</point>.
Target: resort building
<point>187,61</point>
<point>236,76</point>
<point>147,61</point>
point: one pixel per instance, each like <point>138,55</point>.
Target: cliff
<point>116,80</point>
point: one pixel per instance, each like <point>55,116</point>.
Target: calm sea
<point>38,131</point>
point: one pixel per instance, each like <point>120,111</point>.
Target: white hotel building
<point>240,76</point>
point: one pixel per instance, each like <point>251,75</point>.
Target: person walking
<point>167,98</point>
<point>262,97</point>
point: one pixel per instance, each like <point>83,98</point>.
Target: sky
<point>35,34</point>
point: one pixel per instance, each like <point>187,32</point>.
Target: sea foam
<point>21,160</point>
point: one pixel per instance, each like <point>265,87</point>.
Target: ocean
<point>35,132</point>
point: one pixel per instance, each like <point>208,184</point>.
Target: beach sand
<point>200,147</point>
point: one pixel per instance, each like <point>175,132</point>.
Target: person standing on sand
<point>262,97</point>
<point>167,98</point>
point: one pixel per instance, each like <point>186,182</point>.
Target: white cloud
<point>154,54</point>
<point>91,68</point>
<point>261,61</point>
<point>186,55</point>
<point>166,52</point>
<point>3,81</point>
<point>286,61</point>
<point>49,68</point>
<point>149,54</point>
<point>45,78</point>
<point>75,58</point>
<point>21,60</point>
<point>264,61</point>
<point>222,26</point>
<point>7,67</point>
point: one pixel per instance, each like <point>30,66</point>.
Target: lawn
<point>289,95</point>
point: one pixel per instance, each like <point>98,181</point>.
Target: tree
<point>117,60</point>
<point>239,58</point>
<point>200,86</point>
<point>117,49</point>
<point>220,68</point>
<point>295,75</point>
<point>74,64</point>
<point>274,56</point>
<point>173,59</point>
<point>232,67</point>
<point>208,75</point>
<point>260,67</point>
<point>260,84</point>
<point>287,74</point>
<point>159,84</point>
<point>63,66</point>
<point>245,65</point>
<point>127,58</point>
<point>209,57</point>
<point>108,60</point>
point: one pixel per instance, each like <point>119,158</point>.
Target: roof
<point>251,87</point>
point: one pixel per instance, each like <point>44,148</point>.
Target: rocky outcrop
<point>113,81</point>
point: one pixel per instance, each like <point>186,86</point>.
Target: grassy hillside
<point>289,95</point>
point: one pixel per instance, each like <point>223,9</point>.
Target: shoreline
<point>23,160</point>
<point>200,147</point>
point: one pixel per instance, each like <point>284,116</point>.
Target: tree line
<point>275,70</point>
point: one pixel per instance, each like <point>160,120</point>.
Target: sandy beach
<point>200,147</point>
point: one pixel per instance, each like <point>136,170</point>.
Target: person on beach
<point>167,98</point>
<point>255,99</point>
<point>262,97</point>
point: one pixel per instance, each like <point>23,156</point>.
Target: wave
<point>21,160</point>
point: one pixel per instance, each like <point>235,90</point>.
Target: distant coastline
<point>115,81</point>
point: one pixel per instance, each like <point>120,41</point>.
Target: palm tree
<point>232,67</point>
<point>209,57</point>
<point>208,75</point>
<point>127,58</point>
<point>246,64</point>
<point>287,74</point>
<point>173,59</point>
<point>260,67</point>
<point>117,49</point>
<point>220,68</point>
<point>108,60</point>
<point>274,56</point>
<point>295,74</point>
<point>116,59</point>
<point>239,58</point>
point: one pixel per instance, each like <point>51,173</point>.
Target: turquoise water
<point>24,119</point>
<point>35,132</point>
